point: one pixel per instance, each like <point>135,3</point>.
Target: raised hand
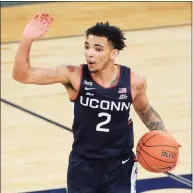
<point>38,26</point>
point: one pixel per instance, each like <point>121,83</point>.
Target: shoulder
<point>70,69</point>
<point>74,74</point>
<point>138,82</point>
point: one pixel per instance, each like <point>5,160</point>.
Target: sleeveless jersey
<point>102,127</point>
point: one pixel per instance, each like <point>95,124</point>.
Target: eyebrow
<point>94,44</point>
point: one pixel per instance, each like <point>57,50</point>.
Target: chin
<point>91,69</point>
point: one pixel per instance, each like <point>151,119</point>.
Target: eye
<point>86,47</point>
<point>98,49</point>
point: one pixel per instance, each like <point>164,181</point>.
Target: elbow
<point>20,76</point>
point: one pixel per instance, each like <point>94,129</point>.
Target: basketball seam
<point>140,150</point>
<point>144,143</point>
<point>149,138</point>
<point>147,164</point>
<point>159,146</point>
<point>157,168</point>
<point>156,158</point>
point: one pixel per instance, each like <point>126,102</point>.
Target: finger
<point>169,170</point>
<point>41,16</point>
<point>46,17</point>
<point>50,20</point>
<point>36,16</point>
<point>173,167</point>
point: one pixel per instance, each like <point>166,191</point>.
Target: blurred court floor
<point>35,153</point>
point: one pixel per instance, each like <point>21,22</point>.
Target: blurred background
<point>34,152</point>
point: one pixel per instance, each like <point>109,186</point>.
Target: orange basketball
<point>157,151</point>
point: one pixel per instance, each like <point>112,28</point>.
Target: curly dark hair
<point>112,33</point>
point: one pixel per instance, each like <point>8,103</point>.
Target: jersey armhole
<point>131,87</point>
<point>78,91</point>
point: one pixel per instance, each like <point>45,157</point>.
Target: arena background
<point>34,152</point>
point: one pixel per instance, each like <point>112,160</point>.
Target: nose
<point>89,53</point>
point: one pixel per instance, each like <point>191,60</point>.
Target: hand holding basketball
<point>38,26</point>
<point>158,152</point>
<point>178,161</point>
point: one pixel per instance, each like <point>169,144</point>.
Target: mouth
<point>90,62</point>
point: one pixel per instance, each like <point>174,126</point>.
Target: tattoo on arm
<point>152,119</point>
<point>114,81</point>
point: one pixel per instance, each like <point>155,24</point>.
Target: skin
<point>98,50</point>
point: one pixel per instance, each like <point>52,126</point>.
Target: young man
<point>102,160</point>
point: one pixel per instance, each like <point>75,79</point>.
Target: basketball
<point>157,151</point>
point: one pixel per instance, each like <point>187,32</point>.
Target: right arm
<point>22,71</point>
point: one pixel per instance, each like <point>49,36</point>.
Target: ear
<point>114,54</point>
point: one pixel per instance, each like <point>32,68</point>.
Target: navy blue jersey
<point>102,127</point>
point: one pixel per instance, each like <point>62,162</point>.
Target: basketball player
<point>101,160</point>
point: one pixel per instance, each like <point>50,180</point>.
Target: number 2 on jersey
<point>108,119</point>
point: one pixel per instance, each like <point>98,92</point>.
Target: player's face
<point>98,52</point>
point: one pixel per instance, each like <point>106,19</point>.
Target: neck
<point>108,76</point>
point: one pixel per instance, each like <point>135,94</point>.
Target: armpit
<point>68,86</point>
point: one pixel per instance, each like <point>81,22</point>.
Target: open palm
<point>38,26</point>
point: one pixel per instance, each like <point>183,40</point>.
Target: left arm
<point>145,111</point>
<point>148,115</point>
